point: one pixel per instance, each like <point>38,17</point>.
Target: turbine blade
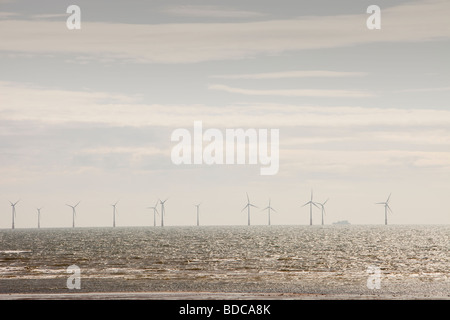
<point>388,198</point>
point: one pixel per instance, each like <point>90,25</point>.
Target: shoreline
<point>182,295</point>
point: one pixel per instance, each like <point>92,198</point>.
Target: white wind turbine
<point>269,208</point>
<point>39,217</point>
<point>155,211</point>
<point>114,213</point>
<point>163,211</point>
<point>322,205</point>
<point>311,203</point>
<point>74,213</point>
<point>13,207</point>
<point>248,208</point>
<point>386,208</point>
<point>198,215</point>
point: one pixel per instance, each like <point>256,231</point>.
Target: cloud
<point>195,42</point>
<point>441,89</point>
<point>50,16</point>
<point>406,137</point>
<point>204,11</point>
<point>30,103</point>
<point>295,92</point>
<point>346,160</point>
<point>137,151</point>
<point>292,74</point>
<point>6,15</point>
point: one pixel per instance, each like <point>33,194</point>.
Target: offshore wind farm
<point>161,204</point>
<point>294,149</point>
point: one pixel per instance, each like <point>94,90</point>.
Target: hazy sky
<point>86,115</point>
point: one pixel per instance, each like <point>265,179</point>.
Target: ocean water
<point>414,261</point>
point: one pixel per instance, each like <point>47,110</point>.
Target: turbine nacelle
<point>14,204</point>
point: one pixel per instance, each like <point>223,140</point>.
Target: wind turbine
<point>386,208</point>
<point>114,213</point>
<point>198,208</point>
<point>13,207</point>
<point>248,208</point>
<point>74,213</point>
<point>155,211</point>
<point>162,211</point>
<point>311,203</point>
<point>322,205</point>
<point>39,217</point>
<point>269,208</point>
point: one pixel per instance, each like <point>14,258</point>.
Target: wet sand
<point>205,296</point>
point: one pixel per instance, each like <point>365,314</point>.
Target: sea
<point>394,261</point>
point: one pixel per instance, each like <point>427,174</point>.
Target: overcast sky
<point>87,115</point>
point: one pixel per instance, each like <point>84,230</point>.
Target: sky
<point>87,115</point>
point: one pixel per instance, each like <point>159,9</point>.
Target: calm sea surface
<point>414,260</point>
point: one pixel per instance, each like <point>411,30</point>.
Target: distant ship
<point>342,222</point>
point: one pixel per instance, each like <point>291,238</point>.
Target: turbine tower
<point>322,205</point>
<point>114,213</point>
<point>13,207</point>
<point>311,203</point>
<point>74,213</point>
<point>39,217</point>
<point>248,208</point>
<point>198,216</point>
<point>269,208</point>
<point>386,208</point>
<point>162,211</point>
<point>155,211</point>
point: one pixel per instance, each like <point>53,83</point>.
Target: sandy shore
<point>200,296</point>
